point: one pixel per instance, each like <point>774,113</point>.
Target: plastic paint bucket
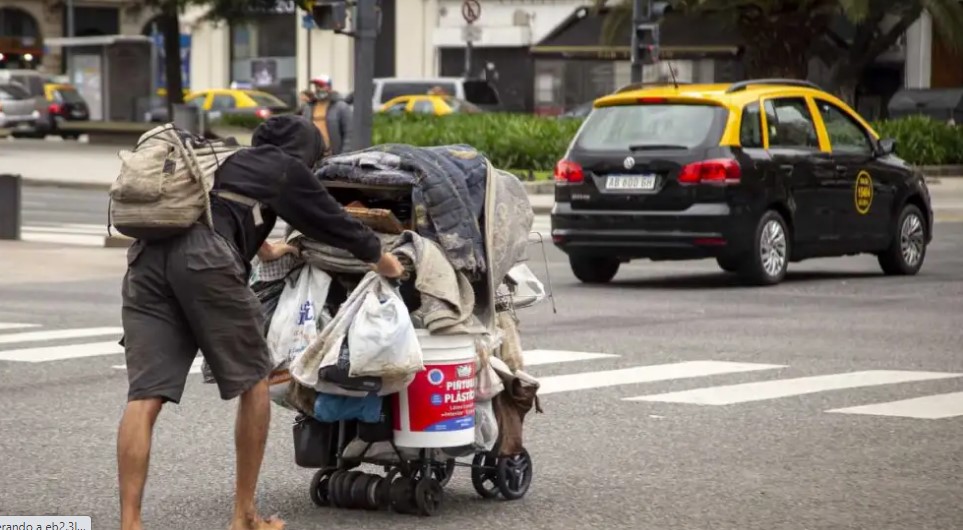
<point>438,407</point>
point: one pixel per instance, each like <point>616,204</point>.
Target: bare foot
<point>256,523</point>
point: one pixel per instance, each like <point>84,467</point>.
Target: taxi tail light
<point>652,101</point>
<point>717,171</point>
<point>568,172</point>
<point>55,108</point>
<point>263,113</point>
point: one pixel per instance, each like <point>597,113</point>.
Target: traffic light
<point>329,14</point>
<point>645,43</point>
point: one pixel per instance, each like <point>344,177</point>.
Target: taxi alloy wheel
<point>591,269</point>
<point>908,247</point>
<point>770,258</point>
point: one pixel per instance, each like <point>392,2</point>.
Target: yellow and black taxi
<point>64,104</point>
<point>755,174</point>
<point>435,105</point>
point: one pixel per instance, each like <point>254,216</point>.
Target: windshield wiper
<point>644,147</point>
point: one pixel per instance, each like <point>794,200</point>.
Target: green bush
<point>924,141</point>
<point>528,142</point>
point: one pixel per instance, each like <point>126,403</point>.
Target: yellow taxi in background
<point>228,101</point>
<point>428,104</point>
<point>756,174</point>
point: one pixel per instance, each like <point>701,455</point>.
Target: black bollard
<point>10,207</point>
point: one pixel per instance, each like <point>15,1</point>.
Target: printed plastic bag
<point>295,323</point>
<point>382,340</point>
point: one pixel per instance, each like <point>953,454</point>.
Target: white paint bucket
<point>438,407</point>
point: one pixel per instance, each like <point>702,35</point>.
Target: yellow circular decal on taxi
<point>864,192</point>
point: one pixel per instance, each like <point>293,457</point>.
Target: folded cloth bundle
<point>336,260</point>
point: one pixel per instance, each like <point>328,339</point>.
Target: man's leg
<point>225,317</point>
<point>250,437</point>
<point>133,456</point>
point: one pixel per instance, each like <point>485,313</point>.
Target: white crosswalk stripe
<point>93,235</point>
<point>28,343</point>
<point>88,235</point>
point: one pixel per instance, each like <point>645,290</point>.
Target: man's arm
<point>304,203</point>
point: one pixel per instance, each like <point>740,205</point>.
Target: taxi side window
<point>791,124</point>
<point>750,131</point>
<point>222,102</point>
<point>845,135</point>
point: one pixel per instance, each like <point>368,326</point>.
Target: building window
<point>264,55</point>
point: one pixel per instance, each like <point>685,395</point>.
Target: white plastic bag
<point>488,383</point>
<point>382,340</point>
<point>486,426</point>
<point>528,289</point>
<point>296,320</point>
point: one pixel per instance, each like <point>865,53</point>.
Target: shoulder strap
<point>241,199</point>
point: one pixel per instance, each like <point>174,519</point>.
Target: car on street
<point>432,105</point>
<point>65,104</point>
<point>17,110</point>
<point>479,92</point>
<point>756,174</point>
<point>32,82</point>
<point>226,101</point>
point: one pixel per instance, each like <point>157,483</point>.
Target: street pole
<point>468,49</point>
<point>308,69</point>
<point>366,34</point>
<point>639,15</point>
<point>70,33</point>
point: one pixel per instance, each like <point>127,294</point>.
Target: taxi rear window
<point>658,125</point>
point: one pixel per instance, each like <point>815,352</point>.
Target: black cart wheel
<point>334,488</point>
<point>402,496</point>
<point>372,499</point>
<point>320,486</point>
<point>359,491</point>
<point>384,488</point>
<point>514,475</point>
<point>484,475</point>
<point>590,269</point>
<point>428,496</point>
<point>347,488</point>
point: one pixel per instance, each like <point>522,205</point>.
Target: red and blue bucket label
<point>441,398</point>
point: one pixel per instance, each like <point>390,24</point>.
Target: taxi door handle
<point>787,168</point>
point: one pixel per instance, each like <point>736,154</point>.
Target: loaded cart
<point>406,377</point>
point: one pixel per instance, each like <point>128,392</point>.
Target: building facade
<point>24,24</point>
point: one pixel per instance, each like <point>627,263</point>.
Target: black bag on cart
<point>316,443</point>
<point>382,431</point>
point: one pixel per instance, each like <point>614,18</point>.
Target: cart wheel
<point>428,495</point>
<point>347,489</point>
<point>384,489</point>
<point>484,475</point>
<point>372,499</point>
<point>334,488</point>
<point>359,492</point>
<point>320,486</point>
<point>402,490</point>
<point>514,475</point>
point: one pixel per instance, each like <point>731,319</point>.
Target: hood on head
<point>292,134</point>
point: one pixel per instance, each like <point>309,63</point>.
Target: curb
<point>64,184</point>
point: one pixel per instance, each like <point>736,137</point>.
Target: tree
<point>780,37</point>
<point>231,11</point>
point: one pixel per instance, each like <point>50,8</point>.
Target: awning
<point>682,36</point>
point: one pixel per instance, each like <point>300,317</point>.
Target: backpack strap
<point>241,199</point>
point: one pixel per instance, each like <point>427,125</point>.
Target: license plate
<point>78,113</point>
<point>23,126</point>
<point>630,182</point>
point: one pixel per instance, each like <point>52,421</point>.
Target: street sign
<point>471,33</point>
<point>307,22</point>
<point>470,11</point>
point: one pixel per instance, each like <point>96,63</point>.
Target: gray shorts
<point>188,293</point>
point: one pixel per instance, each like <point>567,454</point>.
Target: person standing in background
<point>330,114</point>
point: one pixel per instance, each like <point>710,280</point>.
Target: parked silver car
<point>17,109</point>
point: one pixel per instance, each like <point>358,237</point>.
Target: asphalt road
<point>774,457</point>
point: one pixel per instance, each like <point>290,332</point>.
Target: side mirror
<point>887,146</point>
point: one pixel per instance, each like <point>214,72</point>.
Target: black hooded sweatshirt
<point>275,173</point>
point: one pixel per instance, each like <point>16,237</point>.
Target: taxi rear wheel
<point>906,252</point>
<point>769,259</point>
<point>591,269</point>
<point>728,264</point>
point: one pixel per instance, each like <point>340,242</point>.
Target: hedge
<point>522,141</point>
